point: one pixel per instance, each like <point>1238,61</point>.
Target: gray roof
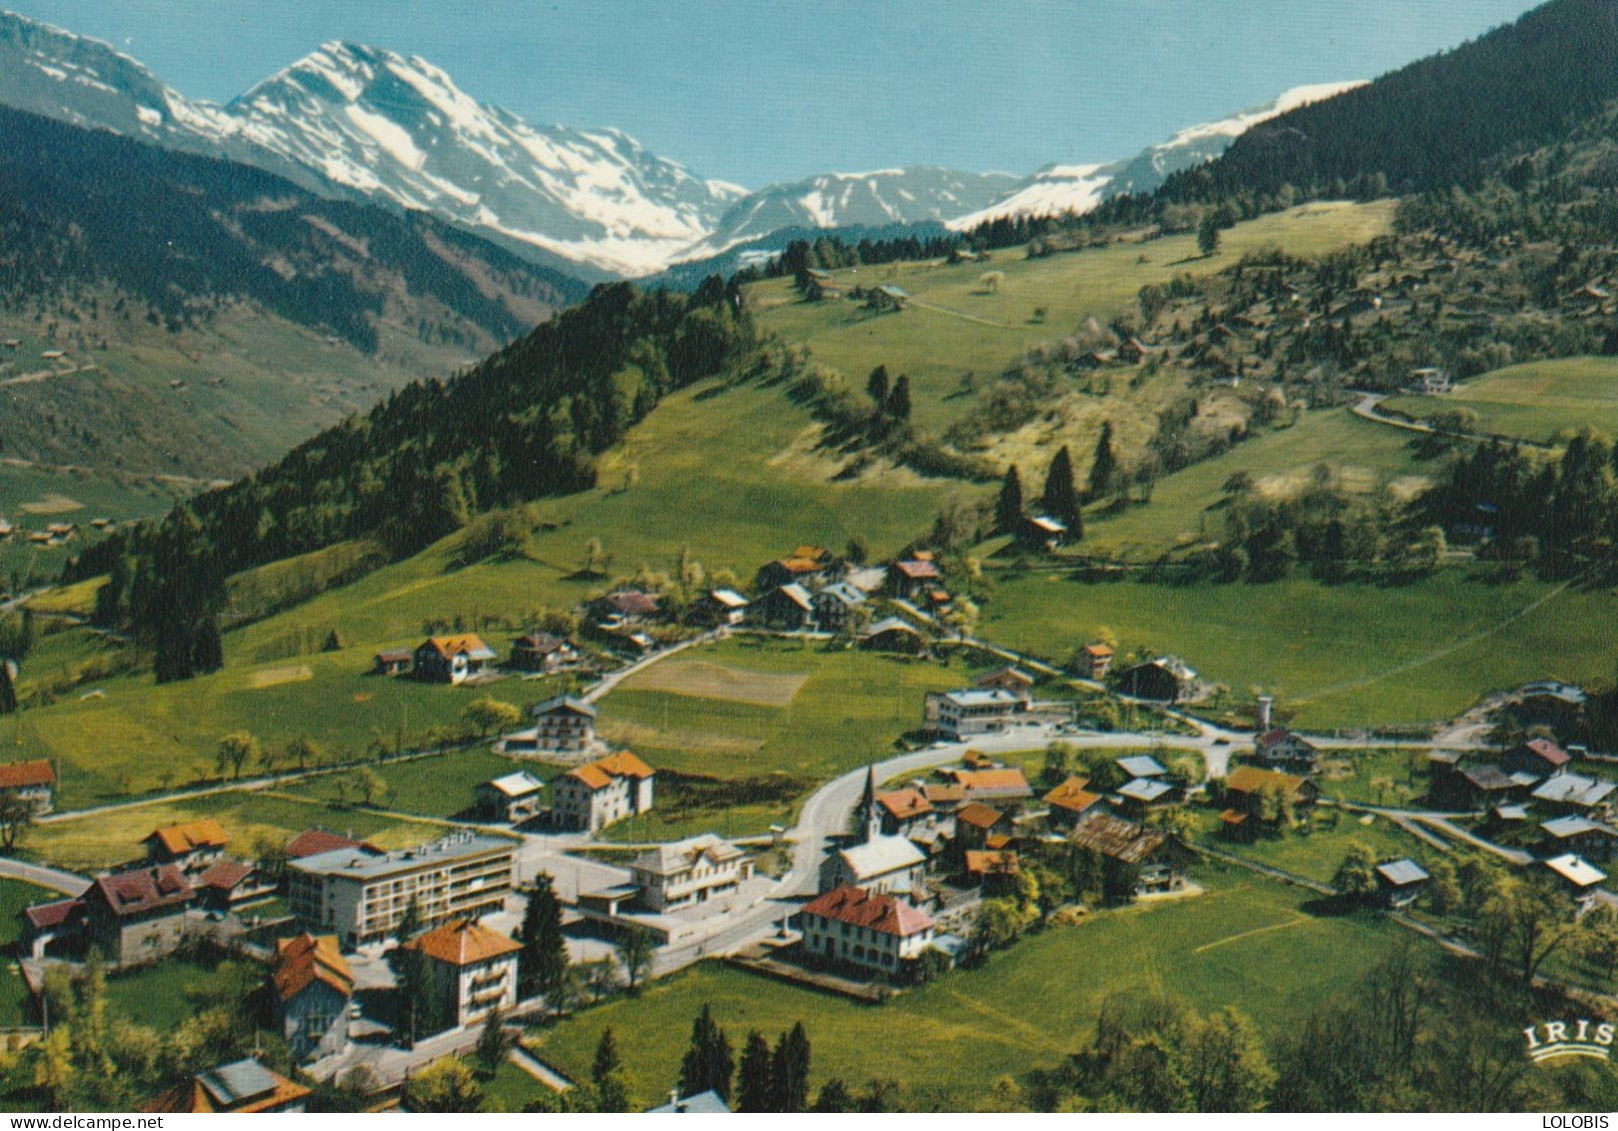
<point>1576,870</point>
<point>562,703</point>
<point>230,1084</point>
<point>364,865</point>
<point>982,697</point>
<point>881,855</point>
<point>1571,826</point>
<point>1574,789</point>
<point>891,624</point>
<point>1401,872</point>
<point>703,1103</point>
<point>677,856</point>
<point>519,784</point>
<point>1144,789</point>
<point>1142,766</point>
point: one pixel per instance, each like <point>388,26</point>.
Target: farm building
<point>719,607</point>
<point>1135,860</point>
<point>1401,882</point>
<point>1070,801</point>
<point>513,798</point>
<point>1163,679</point>
<point>834,604</point>
<point>892,634</point>
<point>451,659</point>
<point>392,661</point>
<point>788,608</point>
<point>33,782</point>
<point>541,652</point>
<point>1041,534</point>
<point>193,846</point>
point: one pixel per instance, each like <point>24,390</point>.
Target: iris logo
<point>1556,1039</point>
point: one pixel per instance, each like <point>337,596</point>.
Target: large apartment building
<point>360,895</point>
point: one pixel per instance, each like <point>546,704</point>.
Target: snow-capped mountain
<point>835,200</point>
<point>356,120</point>
<point>1078,188</point>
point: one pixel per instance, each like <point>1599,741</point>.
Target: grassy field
<point>752,708</point>
<point>162,995</point>
<point>957,325</point>
<point>1188,506</point>
<point>1335,656</point>
<point>1536,401</point>
<point>105,839</point>
<point>1316,855</point>
<point>432,787</point>
<point>1247,943</point>
<point>14,896</point>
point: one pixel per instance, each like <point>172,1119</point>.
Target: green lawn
<point>1316,855</point>
<point>163,994</point>
<point>511,1089</point>
<point>106,839</point>
<point>69,496</point>
<point>1247,943</point>
<point>1335,656</point>
<point>14,896</point>
<point>432,787</point>
<point>1536,401</point>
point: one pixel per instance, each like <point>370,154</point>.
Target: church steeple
<point>873,819</point>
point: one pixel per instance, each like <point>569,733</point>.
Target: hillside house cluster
<point>465,658</point>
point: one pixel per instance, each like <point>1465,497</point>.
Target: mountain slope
<point>1437,121</point>
<point>1077,188</point>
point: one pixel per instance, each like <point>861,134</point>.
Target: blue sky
<point>756,91</point>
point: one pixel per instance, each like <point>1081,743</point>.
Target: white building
<point>513,798</point>
<point>873,930</point>
<point>596,794</point>
<point>360,896</point>
<point>1432,382</point>
<point>690,871</point>
<point>563,723</point>
<point>876,862</point>
<point>958,715</point>
<point>472,970</point>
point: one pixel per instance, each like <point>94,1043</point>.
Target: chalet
<point>945,799</point>
<point>1539,757</point>
<point>33,782</point>
<point>451,659</point>
<point>1135,860</point>
<point>872,930</point>
<point>690,871</point>
<point>975,823</point>
<point>787,608</point>
<point>1140,795</point>
<point>1163,679</point>
<point>1431,382</point>
<point>1095,661</point>
<point>593,796</point>
<point>1246,790</point>
<point>541,652</point>
<point>834,604</point>
<point>1041,534</point>
<point>822,288</point>
<point>391,661</point>
<point>999,785</point>
<point>914,577</point>
<point>985,866</point>
<point>563,723</point>
<point>1070,801</point>
<point>720,608</point>
<point>1141,766</point>
<point>1009,679</point>
<point>809,566</point>
<point>193,846</point>
<point>894,635</point>
<point>239,1088</point>
<point>1400,882</point>
<point>311,987</point>
<point>46,923</point>
<point>622,608</point>
<point>887,298</point>
<point>956,716</point>
<point>1578,835</point>
<point>903,810</point>
<point>1575,791</point>
<point>137,916</point>
<point>512,799</point>
<point>1473,787</point>
<point>229,884</point>
<point>471,970</point>
<point>1280,747</point>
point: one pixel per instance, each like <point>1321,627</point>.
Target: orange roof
<point>982,863</point>
<point>448,646</point>
<point>905,803</point>
<point>463,944</point>
<point>1072,795</point>
<point>191,1098</point>
<point>180,839</point>
<point>979,816</point>
<point>599,774</point>
<point>20,775</point>
<point>1231,817</point>
<point>306,959</point>
<point>996,840</point>
<point>978,780</point>
<point>943,794</point>
<point>1097,650</point>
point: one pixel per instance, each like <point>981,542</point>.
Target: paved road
<point>54,878</point>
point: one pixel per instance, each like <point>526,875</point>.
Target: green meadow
<point>1538,401</point>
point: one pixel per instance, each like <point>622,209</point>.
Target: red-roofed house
<point>472,969</point>
<point>873,931</point>
<point>902,810</point>
<point>194,846</point>
<point>451,659</point>
<point>44,923</point>
<point>1538,756</point>
<point>137,916</point>
<point>311,987</point>
<point>1070,801</point>
<point>913,578</point>
<point>34,782</point>
<point>312,842</point>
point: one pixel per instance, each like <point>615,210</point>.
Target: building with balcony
<point>471,969</point>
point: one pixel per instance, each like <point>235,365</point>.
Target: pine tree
<point>789,1071</point>
<point>542,964</point>
<point>1104,468</point>
<point>876,385</point>
<point>207,653</point>
<point>492,1046</point>
<point>1008,507</point>
<point>899,399</point>
<point>1060,499</point>
<point>709,1063</point>
<point>754,1086</point>
<point>607,1073</point>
